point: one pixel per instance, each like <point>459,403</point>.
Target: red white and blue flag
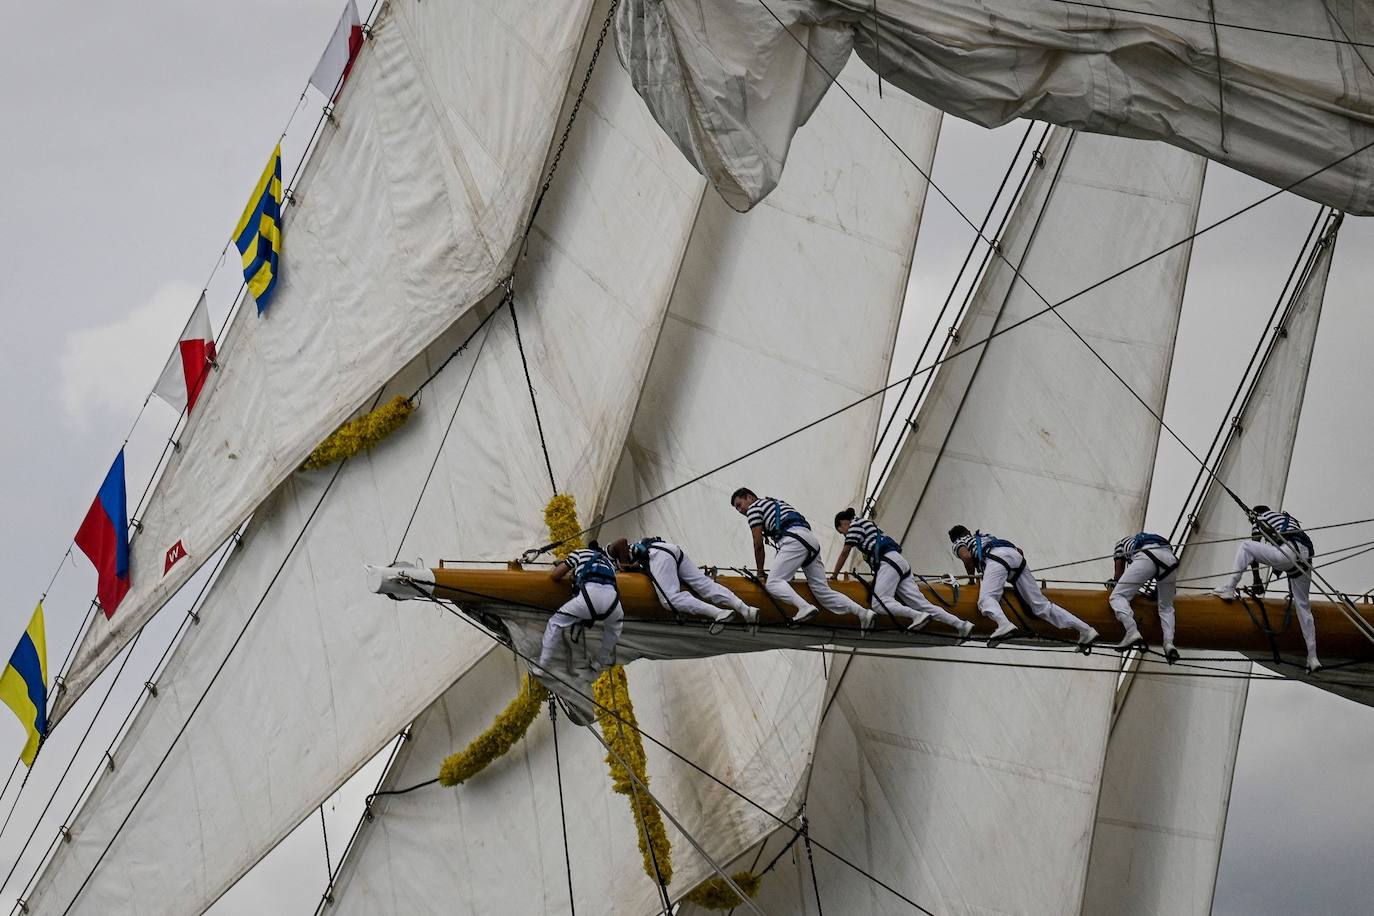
<point>104,537</point>
<point>338,55</point>
<point>191,362</point>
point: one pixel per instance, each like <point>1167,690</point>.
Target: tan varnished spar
<point>1204,621</point>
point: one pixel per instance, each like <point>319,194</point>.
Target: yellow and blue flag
<point>24,684</point>
<point>258,234</point>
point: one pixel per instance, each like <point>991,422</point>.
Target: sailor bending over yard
<point>894,587</point>
<point>672,573</point>
<point>1279,542</point>
<point>1000,562</point>
<point>1140,558</point>
<point>797,548</point>
<point>597,600</point>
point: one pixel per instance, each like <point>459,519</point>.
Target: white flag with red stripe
<point>338,55</point>
<point>190,363</point>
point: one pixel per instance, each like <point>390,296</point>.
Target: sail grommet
<point>151,687</point>
<point>65,833</point>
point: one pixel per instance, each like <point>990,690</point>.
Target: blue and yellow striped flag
<point>24,685</point>
<point>258,234</point>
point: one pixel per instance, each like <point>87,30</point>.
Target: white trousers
<point>896,592</point>
<point>1283,559</point>
<point>574,611</point>
<point>672,577</point>
<point>1140,571</point>
<point>791,556</point>
<point>995,582</point>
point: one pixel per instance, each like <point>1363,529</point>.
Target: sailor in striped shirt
<point>1139,558</point>
<point>788,531</point>
<point>894,587</point>
<point>1280,543</point>
<point>595,600</point>
<point>999,563</point>
<point>672,573</point>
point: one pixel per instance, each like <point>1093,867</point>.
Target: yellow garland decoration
<point>507,728</point>
<point>564,530</point>
<point>362,433</point>
<point>621,731</point>
<point>715,894</point>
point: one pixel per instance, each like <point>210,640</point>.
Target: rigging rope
<point>949,340</point>
<point>509,301</point>
<point>1275,322</point>
<point>562,814</point>
<point>451,608</point>
<point>970,348</point>
<point>1361,625</point>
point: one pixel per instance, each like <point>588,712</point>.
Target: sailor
<point>1000,562</point>
<point>894,587</point>
<point>673,573</point>
<point>1139,558</point>
<point>797,548</point>
<point>1278,541</point>
<point>597,600</point>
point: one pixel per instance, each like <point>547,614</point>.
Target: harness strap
<point>811,552</point>
<point>1162,569</point>
<point>591,609</point>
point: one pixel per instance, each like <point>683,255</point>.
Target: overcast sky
<point>131,141</point>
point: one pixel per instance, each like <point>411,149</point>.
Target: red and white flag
<point>338,55</point>
<point>190,363</point>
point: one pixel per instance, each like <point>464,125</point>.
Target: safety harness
<point>984,544</point>
<point>780,526</point>
<point>1143,542</point>
<point>596,568</point>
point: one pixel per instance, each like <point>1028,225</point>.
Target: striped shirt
<point>770,514</point>
<point>1129,546</point>
<point>1277,522</point>
<point>864,535</point>
<point>586,557</point>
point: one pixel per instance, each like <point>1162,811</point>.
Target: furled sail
<point>1279,89</point>
<point>776,318</point>
<point>1172,753</point>
<point>408,214</point>
<point>326,673</point>
<point>963,773</point>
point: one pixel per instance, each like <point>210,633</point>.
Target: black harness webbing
<point>1162,569</point>
<point>811,552</point>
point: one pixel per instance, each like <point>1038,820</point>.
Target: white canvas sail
<point>408,214</point>
<point>777,317</point>
<point>1279,89</point>
<point>1172,753</point>
<point>326,673</point>
<point>978,785</point>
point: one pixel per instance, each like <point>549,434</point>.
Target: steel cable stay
<point>326,115</point>
<point>951,338</point>
<point>1347,608</point>
<point>289,553</point>
<point>1254,368</point>
<point>455,610</point>
<point>328,488</point>
<point>974,346</point>
<point>106,761</point>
